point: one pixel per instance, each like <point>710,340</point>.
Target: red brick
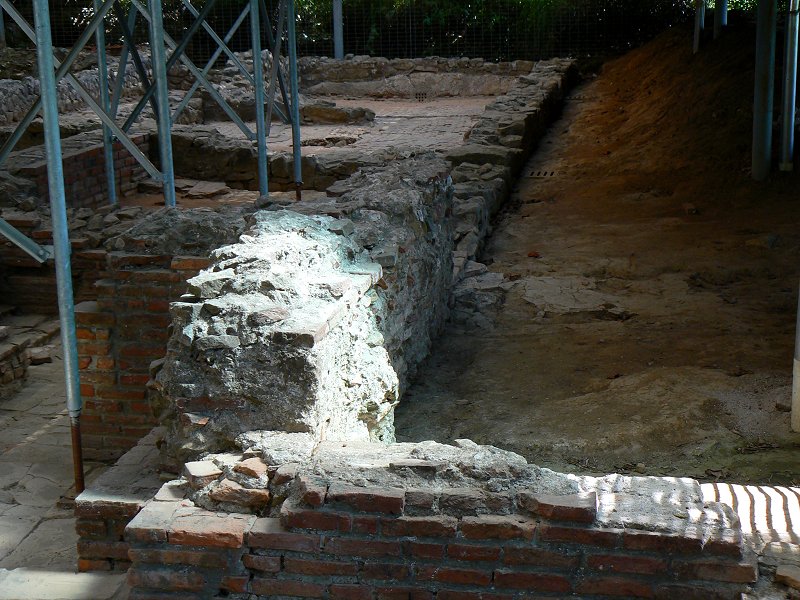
<point>312,491</point>
<point>687,592</point>
<point>268,533</point>
<point>91,529</point>
<point>349,592</point>
<point>579,508</point>
<point>164,579</point>
<point>265,564</point>
<point>493,527</point>
<point>385,571</point>
<point>237,585</point>
<point>86,565</point>
<point>454,575</point>
<point>295,518</point>
<point>189,263</point>
<point>615,586</point>
<point>537,557</point>
<point>402,593</point>
<point>471,552</point>
<point>716,571</point>
<point>466,501</point>
<point>437,526</point>
<point>606,538</point>
<point>461,595</point>
<point>365,525</point>
<point>211,560</point>
<point>207,529</point>
<point>87,390</point>
<point>365,548</point>
<point>535,582</point>
<point>287,587</point>
<point>423,550</point>
<point>380,500</point>
<point>661,543</point>
<point>319,567</point>
<point>627,564</point>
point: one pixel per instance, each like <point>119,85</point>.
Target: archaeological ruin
<point>394,328</point>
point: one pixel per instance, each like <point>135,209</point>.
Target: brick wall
<point>340,541</point>
<point>119,335</point>
<point>85,172</point>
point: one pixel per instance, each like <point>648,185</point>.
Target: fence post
<point>338,30</point>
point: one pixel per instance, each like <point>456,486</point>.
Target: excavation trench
<point>643,317</point>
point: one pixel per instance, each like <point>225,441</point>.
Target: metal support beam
<point>699,23</point>
<point>281,82</point>
<point>720,17</point>
<point>222,45</point>
<point>338,30</point>
<point>258,84</point>
<point>276,56</point>
<point>122,67</point>
<point>159,62</point>
<point>766,33</point>
<point>2,29</point>
<point>790,86</point>
<point>291,19</point>
<point>58,210</point>
<point>23,242</point>
<point>105,102</point>
<point>198,75</point>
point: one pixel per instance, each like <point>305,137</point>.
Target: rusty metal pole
<point>61,244</point>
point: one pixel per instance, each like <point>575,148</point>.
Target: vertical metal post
<point>295,92</point>
<point>2,29</point>
<point>790,86</point>
<point>105,102</point>
<point>699,23</point>
<point>338,30</point>
<point>720,17</point>
<point>766,32</point>
<point>159,61</point>
<point>796,375</point>
<point>58,209</point>
<point>258,84</point>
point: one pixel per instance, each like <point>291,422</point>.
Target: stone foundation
<point>425,521</point>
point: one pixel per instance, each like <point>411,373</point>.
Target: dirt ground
<point>649,324</point>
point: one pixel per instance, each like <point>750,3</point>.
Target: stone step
<point>59,585</point>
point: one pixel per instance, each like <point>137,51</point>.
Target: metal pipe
<point>276,60</point>
<point>766,31</point>
<point>211,62</point>
<point>58,210</point>
<point>338,30</point>
<point>77,454</point>
<point>699,23</point>
<point>105,102</point>
<point>295,110</point>
<point>2,29</point>
<point>718,16</point>
<point>281,82</point>
<point>173,58</point>
<point>122,68</point>
<point>23,242</point>
<point>790,86</point>
<point>723,7</point>
<point>258,86</point>
<point>158,58</point>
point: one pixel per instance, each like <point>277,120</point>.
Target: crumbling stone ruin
<point>253,355</point>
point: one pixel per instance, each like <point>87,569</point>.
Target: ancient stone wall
<point>419,78</point>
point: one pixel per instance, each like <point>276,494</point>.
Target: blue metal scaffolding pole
<point>258,85</point>
<point>58,209</point>
<point>790,86</point>
<point>2,29</point>
<point>105,102</point>
<point>338,30</point>
<point>159,61</point>
<point>295,92</point>
<point>766,32</point>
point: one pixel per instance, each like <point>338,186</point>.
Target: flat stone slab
<point>58,585</point>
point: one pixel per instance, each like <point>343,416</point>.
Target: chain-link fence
<point>490,29</point>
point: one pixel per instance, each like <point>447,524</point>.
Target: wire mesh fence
<point>490,29</point>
